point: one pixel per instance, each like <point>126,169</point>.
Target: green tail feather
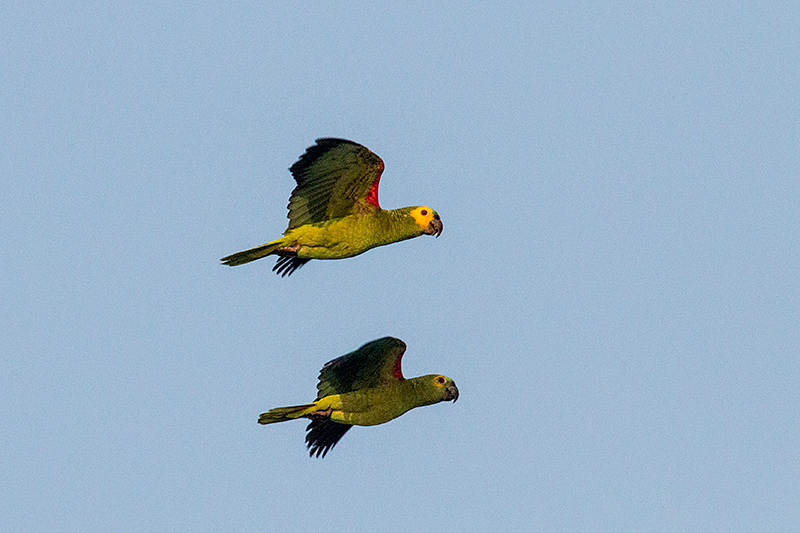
<point>252,254</point>
<point>282,414</point>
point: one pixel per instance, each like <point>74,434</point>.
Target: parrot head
<point>448,388</point>
<point>433,388</point>
<point>428,220</point>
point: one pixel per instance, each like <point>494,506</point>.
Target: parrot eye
<point>424,212</point>
<point>440,380</point>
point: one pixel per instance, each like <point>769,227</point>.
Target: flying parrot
<point>334,211</point>
<point>362,388</point>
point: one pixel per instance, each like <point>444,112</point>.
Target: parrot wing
<point>323,435</point>
<point>335,178</point>
<point>375,364</point>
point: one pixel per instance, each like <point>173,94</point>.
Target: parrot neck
<point>424,393</point>
<point>400,224</point>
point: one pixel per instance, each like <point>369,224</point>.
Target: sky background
<point>616,291</point>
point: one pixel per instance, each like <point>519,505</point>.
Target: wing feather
<point>286,265</point>
<point>323,435</point>
<point>375,364</point>
<point>335,178</point>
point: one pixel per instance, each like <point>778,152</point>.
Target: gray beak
<point>435,226</point>
<point>451,393</point>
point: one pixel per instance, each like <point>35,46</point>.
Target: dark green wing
<point>335,178</point>
<point>375,364</point>
<point>323,435</point>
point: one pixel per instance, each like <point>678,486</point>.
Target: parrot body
<point>363,388</point>
<point>334,211</point>
<point>365,407</point>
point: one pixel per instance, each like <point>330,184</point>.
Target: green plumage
<point>334,178</point>
<point>375,364</point>
<point>334,211</point>
<point>365,388</point>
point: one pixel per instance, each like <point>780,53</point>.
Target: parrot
<point>365,387</point>
<point>334,211</point>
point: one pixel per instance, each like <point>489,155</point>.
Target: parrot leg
<point>320,415</point>
<point>288,251</point>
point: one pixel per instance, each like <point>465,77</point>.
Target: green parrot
<point>334,211</point>
<point>362,388</point>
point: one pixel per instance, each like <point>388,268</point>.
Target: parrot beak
<point>435,226</point>
<point>451,393</point>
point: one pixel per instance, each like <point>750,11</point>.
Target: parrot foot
<point>288,251</point>
<point>320,415</point>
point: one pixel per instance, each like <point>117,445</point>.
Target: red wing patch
<point>398,371</point>
<point>372,195</point>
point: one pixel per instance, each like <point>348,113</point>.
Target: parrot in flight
<point>363,388</point>
<point>334,211</point>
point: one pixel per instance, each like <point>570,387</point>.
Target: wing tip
<point>315,151</point>
<point>285,266</point>
<point>323,435</point>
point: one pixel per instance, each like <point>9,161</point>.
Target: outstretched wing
<point>335,178</point>
<point>375,364</point>
<point>323,435</point>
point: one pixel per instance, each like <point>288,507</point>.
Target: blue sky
<point>615,292</point>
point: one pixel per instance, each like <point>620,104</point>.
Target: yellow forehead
<point>423,215</point>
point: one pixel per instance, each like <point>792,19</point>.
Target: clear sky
<point>616,291</point>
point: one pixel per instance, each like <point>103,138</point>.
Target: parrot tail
<point>240,258</point>
<point>282,414</point>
